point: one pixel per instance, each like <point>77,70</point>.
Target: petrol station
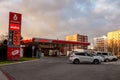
<point>50,47</point>
<point>35,46</point>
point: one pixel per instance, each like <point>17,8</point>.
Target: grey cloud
<point>87,22</point>
<point>58,18</point>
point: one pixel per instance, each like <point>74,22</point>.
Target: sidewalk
<point>3,76</point>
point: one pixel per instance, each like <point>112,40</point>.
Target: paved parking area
<point>3,76</point>
<point>59,68</point>
<point>113,62</point>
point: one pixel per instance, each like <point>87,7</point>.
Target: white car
<point>107,56</point>
<point>80,57</point>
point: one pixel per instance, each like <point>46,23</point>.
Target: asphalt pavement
<point>3,76</point>
<point>59,68</point>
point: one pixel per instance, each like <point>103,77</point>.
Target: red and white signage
<point>13,52</point>
<point>15,18</point>
<point>14,27</point>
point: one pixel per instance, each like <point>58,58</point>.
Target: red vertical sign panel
<point>13,52</point>
<point>15,18</point>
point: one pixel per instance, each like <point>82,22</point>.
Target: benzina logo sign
<point>14,27</point>
<point>15,52</point>
<point>15,18</point>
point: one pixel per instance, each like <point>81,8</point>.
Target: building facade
<point>78,38</point>
<point>100,43</point>
<point>114,42</point>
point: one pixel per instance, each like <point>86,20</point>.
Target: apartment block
<point>78,38</point>
<point>100,43</point>
<point>114,42</point>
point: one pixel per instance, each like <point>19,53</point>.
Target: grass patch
<point>14,61</point>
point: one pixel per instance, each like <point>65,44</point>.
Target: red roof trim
<point>27,41</point>
<point>69,42</point>
<point>54,41</point>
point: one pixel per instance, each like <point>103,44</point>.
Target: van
<point>108,56</point>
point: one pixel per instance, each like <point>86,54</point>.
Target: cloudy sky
<point>57,18</point>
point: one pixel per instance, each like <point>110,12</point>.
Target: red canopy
<point>54,41</point>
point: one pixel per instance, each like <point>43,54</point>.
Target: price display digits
<point>16,37</point>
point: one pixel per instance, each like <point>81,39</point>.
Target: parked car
<point>108,56</point>
<point>80,57</point>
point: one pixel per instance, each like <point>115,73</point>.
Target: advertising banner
<point>13,52</point>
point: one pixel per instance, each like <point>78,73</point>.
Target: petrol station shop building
<point>50,47</point>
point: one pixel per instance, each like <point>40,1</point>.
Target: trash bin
<point>42,54</point>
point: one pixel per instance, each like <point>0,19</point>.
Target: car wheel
<point>76,61</point>
<point>114,59</point>
<point>96,61</point>
<point>107,60</point>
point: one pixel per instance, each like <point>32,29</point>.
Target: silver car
<point>80,57</point>
<point>107,56</point>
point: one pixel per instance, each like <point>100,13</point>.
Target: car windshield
<point>93,54</point>
<point>99,54</point>
<point>110,54</point>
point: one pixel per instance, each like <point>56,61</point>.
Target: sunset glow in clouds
<point>57,18</point>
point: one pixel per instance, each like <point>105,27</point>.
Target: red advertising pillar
<point>13,52</point>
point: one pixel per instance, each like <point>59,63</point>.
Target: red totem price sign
<point>13,52</point>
